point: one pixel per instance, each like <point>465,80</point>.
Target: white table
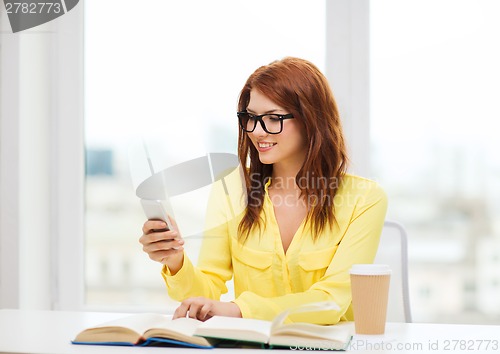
<point>43,332</point>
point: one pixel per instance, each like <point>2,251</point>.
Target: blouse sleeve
<point>214,269</point>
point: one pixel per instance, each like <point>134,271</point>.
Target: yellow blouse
<point>266,280</point>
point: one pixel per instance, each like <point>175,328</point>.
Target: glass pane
<point>435,82</point>
<point>167,73</point>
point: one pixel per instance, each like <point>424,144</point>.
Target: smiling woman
<point>182,78</point>
<point>296,239</point>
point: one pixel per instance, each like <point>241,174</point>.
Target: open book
<point>144,329</point>
<point>156,329</point>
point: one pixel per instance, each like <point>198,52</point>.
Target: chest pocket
<point>313,264</point>
<point>252,270</point>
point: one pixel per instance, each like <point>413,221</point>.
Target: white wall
<point>41,165</point>
<point>9,166</point>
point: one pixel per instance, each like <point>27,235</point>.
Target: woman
<point>305,220</point>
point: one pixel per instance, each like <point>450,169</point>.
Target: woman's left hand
<point>202,309</point>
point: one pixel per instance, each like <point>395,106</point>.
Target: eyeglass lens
<point>271,122</point>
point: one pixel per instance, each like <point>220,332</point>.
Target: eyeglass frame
<point>258,118</point>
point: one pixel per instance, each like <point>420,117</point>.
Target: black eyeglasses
<point>271,123</point>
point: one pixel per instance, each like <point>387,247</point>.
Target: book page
<point>129,329</point>
<point>338,332</point>
<point>183,325</point>
<point>243,329</point>
<point>308,334</point>
<point>181,329</point>
<point>311,307</point>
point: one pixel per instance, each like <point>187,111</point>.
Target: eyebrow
<point>271,111</point>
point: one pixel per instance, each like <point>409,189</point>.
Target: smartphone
<point>155,210</point>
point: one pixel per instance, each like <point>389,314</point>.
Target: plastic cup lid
<point>370,269</point>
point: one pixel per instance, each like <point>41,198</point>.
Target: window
<point>434,91</point>
<point>169,74</point>
<point>432,100</point>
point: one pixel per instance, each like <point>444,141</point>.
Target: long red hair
<point>298,86</point>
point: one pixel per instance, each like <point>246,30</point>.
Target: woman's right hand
<point>162,245</point>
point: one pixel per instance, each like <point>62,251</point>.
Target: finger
<point>194,308</point>
<point>154,226</point>
<point>159,236</point>
<point>187,308</point>
<point>146,239</point>
<point>163,245</point>
<point>181,311</point>
<point>205,311</point>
